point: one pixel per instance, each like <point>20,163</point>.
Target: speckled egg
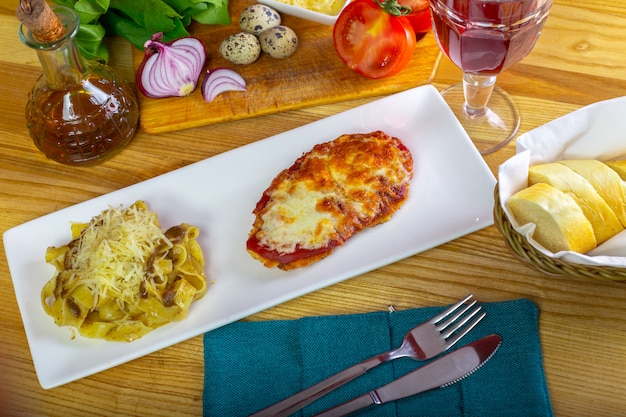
<point>279,42</point>
<point>241,48</point>
<point>258,18</point>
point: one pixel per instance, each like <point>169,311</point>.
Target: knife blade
<point>442,372</point>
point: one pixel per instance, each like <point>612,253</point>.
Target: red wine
<point>486,37</point>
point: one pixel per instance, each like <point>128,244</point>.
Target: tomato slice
<point>253,245</point>
<point>371,41</point>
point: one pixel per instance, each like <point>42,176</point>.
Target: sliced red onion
<point>220,80</point>
<point>170,69</point>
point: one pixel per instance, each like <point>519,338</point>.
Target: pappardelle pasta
<point>121,276</point>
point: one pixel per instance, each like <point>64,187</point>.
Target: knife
<point>440,373</point>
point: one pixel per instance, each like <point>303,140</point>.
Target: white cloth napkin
<point>597,131</point>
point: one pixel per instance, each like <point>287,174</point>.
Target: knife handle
<point>297,401</point>
<point>349,406</point>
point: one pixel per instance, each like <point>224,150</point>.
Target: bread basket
<point>527,253</point>
<point>595,132</point>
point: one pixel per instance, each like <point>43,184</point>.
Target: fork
<point>425,341</point>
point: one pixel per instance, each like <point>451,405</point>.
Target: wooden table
<point>578,60</point>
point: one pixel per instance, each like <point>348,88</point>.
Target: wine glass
<point>484,38</point>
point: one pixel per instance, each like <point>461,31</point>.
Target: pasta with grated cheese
<point>121,276</point>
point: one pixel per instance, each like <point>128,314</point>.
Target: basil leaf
<point>213,12</point>
<point>138,20</point>
<point>152,15</point>
<point>89,42</point>
<point>136,34</point>
<point>181,6</point>
<point>178,32</point>
<point>90,10</point>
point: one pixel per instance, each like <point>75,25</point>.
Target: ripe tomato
<point>371,41</point>
<point>419,16</point>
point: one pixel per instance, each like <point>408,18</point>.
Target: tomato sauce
<point>284,258</point>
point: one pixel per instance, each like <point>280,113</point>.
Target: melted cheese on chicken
<point>294,219</point>
<point>332,192</point>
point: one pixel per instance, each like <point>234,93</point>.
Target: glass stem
<point>477,90</point>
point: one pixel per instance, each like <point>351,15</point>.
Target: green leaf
<point>93,33</point>
<point>95,7</point>
<point>178,32</point>
<point>152,15</point>
<point>212,12</point>
<point>138,35</point>
<point>88,11</point>
<point>203,11</point>
<point>186,20</point>
<point>181,6</point>
<point>138,20</point>
<point>89,42</point>
<point>101,55</point>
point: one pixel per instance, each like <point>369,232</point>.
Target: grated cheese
<point>111,253</point>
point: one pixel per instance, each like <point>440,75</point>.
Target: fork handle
<point>305,397</point>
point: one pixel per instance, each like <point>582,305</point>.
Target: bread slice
<point>605,181</point>
<point>619,167</point>
<point>560,223</point>
<point>603,220</point>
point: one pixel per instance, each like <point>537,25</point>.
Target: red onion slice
<point>170,69</point>
<point>220,80</point>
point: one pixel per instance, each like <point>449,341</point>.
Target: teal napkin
<point>251,365</point>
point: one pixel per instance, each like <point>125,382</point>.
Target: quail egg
<point>241,48</point>
<point>279,42</point>
<point>258,18</point>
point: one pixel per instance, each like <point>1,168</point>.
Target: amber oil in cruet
<point>79,112</point>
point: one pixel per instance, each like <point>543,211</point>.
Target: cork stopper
<point>39,18</point>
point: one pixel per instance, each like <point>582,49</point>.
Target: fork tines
<point>454,324</point>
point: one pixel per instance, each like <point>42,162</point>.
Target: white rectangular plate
<point>451,195</point>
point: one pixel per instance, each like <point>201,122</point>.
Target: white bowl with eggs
<point>324,12</point>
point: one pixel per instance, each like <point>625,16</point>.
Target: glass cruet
<point>79,112</point>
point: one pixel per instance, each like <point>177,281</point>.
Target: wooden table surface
<point>578,60</point>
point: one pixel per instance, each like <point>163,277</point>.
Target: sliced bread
<point>619,167</point>
<point>604,180</point>
<point>604,221</point>
<point>560,223</point>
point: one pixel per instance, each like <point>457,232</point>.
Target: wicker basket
<point>524,251</point>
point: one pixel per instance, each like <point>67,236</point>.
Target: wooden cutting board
<point>314,75</point>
